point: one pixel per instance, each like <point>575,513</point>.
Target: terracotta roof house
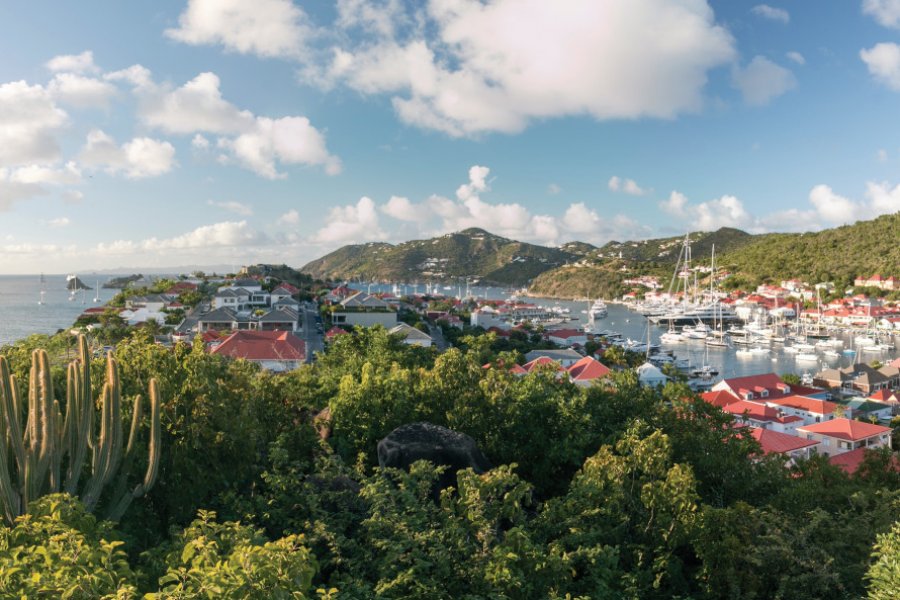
<point>542,361</point>
<point>759,415</point>
<point>811,410</point>
<point>775,442</point>
<point>276,351</point>
<point>842,435</point>
<point>565,357</point>
<point>765,386</point>
<point>720,398</point>
<point>334,332</point>
<point>586,371</point>
<point>851,461</point>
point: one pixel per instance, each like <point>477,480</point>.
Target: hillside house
<point>276,351</point>
<point>843,435</point>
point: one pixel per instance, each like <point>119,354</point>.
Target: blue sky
<point>229,132</point>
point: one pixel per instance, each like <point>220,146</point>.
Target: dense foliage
<point>611,491</point>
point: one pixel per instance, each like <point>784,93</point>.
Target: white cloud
<point>831,207</point>
<point>72,197</point>
<point>770,12</point>
<point>402,209</point>
<point>885,12</point>
<point>291,217</point>
<point>726,211</point>
<point>29,121</point>
<point>883,62</point>
<point>477,183</point>
<point>227,234</point>
<point>141,157</point>
<point>578,218</point>
<point>81,92</point>
<point>67,175</point>
<point>13,191</point>
<point>199,142</point>
<point>257,143</point>
<point>676,204</point>
<point>796,57</point>
<point>269,28</point>
<point>466,67</point>
<point>762,80</point>
<point>627,186</point>
<point>137,75</point>
<point>59,222</point>
<point>198,105</point>
<point>73,63</point>
<point>289,140</point>
<point>353,223</point>
<point>882,198</point>
<point>245,210</point>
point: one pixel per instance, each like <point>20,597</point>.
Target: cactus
<point>49,454</point>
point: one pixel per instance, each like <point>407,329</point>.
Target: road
<point>315,341</point>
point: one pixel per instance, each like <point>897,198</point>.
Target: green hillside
<point>470,253</point>
<point>839,255</point>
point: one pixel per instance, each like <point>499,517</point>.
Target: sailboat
<point>97,293</point>
<point>43,291</point>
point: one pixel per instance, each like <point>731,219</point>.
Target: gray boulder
<point>439,445</point>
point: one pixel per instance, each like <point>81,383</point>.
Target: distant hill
<point>840,254</point>
<point>578,269</point>
<point>469,253</point>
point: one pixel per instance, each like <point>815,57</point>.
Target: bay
<point>21,315</point>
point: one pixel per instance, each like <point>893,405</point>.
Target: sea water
<point>21,314</point>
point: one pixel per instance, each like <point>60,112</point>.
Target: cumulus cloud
<point>883,199</point>
<point>288,141</point>
<point>29,122</point>
<point>831,207</point>
<point>468,67</point>
<point>885,12</point>
<point>81,92</point>
<point>402,209</point>
<point>796,58</point>
<point>883,62</point>
<point>676,204</point>
<point>238,208</point>
<point>73,63</point>
<point>227,234</point>
<point>291,217</point>
<point>353,223</point>
<point>139,158</point>
<point>771,13</point>
<point>762,80</point>
<point>627,186</point>
<point>69,174</point>
<point>268,28</point>
<point>13,191</point>
<point>256,143</point>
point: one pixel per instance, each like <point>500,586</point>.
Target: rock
<point>439,445</point>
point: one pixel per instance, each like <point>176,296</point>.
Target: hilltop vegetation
<point>603,492</point>
<point>840,255</point>
<point>471,253</point>
<point>578,269</point>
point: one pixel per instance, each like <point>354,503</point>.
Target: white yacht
<point>598,310</point>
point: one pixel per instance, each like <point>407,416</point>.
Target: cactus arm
<point>9,395</point>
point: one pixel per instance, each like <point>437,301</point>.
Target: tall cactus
<point>50,453</point>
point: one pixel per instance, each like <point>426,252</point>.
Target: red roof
<point>565,334</point>
<point>846,429</point>
<point>334,331</point>
<point>885,396</point>
<point>262,345</point>
<point>777,442</point>
<point>820,407</point>
<point>770,381</point>
<point>851,461</point>
<point>515,369</point>
<point>720,398</point>
<point>753,410</point>
<point>287,288</point>
<point>542,361</point>
<point>588,369</point>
